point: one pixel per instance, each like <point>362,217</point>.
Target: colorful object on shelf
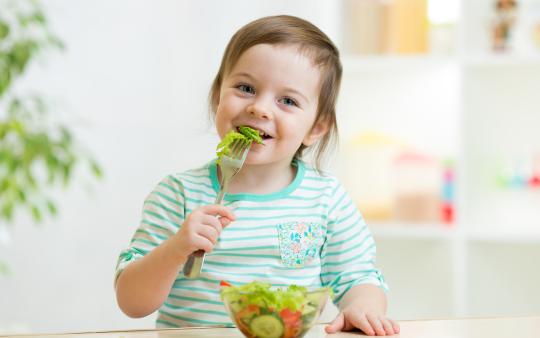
<point>534,182</point>
<point>505,19</point>
<point>386,27</point>
<point>367,173</point>
<point>417,188</point>
<point>521,174</point>
<point>447,205</point>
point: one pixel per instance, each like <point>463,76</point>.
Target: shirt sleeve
<point>162,215</point>
<point>348,253</point>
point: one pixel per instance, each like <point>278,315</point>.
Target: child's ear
<point>319,129</point>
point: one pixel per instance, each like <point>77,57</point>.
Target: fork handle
<point>193,266</point>
<point>194,263</point>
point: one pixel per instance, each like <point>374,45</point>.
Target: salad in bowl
<point>258,310</point>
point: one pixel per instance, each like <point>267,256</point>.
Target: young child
<point>283,222</point>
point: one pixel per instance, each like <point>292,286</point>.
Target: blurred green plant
<point>36,153</point>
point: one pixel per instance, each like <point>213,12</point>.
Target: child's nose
<point>261,109</point>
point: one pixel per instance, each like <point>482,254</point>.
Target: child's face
<point>275,89</point>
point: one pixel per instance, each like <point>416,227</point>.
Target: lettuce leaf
<point>294,297</point>
<point>246,134</point>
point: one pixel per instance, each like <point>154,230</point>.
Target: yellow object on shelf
<point>386,26</point>
<point>408,27</point>
<point>368,159</point>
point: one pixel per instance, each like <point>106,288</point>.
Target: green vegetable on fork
<point>244,134</point>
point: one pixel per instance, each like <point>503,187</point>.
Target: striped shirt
<point>310,234</point>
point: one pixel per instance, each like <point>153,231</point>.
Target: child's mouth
<point>264,135</point>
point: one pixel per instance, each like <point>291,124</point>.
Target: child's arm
<point>364,307</point>
<point>144,284</point>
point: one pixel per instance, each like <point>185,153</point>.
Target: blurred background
<point>439,144</point>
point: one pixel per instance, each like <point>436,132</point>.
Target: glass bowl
<point>259,316</point>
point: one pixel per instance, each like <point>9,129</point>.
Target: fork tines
<point>237,148</point>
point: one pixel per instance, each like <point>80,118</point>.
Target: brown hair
<point>290,30</point>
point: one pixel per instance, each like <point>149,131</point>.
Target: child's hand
<point>370,322</point>
<point>201,229</point>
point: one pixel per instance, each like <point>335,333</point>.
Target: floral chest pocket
<point>299,242</point>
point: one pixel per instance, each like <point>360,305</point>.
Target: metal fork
<point>230,165</point>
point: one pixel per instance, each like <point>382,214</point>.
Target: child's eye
<point>289,102</point>
<point>246,88</point>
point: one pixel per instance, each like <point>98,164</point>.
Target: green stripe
<point>192,320</point>
<point>348,250</point>
<point>301,198</point>
<point>247,238</point>
<point>340,273</point>
<point>313,206</point>
<point>313,188</point>
<point>194,299</point>
<point>337,203</point>
<point>347,205</point>
<point>161,217</point>
<point>170,199</point>
<point>172,189</point>
<point>192,182</point>
<point>354,247</point>
<point>155,225</point>
<point>205,193</point>
<point>255,218</point>
<point>166,323</point>
<point>232,228</point>
<point>338,299</point>
<point>318,178</point>
<point>353,212</point>
<point>202,175</point>
<point>262,275</point>
<point>151,234</point>
<point>247,255</point>
<point>161,206</point>
<point>191,309</point>
<point>142,240</point>
<point>352,259</point>
<point>248,248</point>
<point>349,238</point>
<point>193,288</point>
<point>197,201</point>
<point>251,266</point>
<point>217,281</point>
<point>337,233</point>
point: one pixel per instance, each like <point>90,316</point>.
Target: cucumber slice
<point>267,326</point>
<point>308,309</point>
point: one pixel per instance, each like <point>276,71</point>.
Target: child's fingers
<point>387,325</point>
<point>224,221</point>
<point>361,322</point>
<point>209,232</point>
<point>218,210</point>
<point>336,325</point>
<point>376,325</point>
<point>212,221</point>
<point>395,326</point>
<point>204,244</point>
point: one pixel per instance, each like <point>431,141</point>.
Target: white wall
<point>133,82</point>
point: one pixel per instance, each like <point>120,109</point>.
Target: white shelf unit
<point>481,109</point>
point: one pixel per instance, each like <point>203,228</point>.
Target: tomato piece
<point>292,321</point>
<point>249,311</point>
<point>289,316</point>
<point>224,283</point>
